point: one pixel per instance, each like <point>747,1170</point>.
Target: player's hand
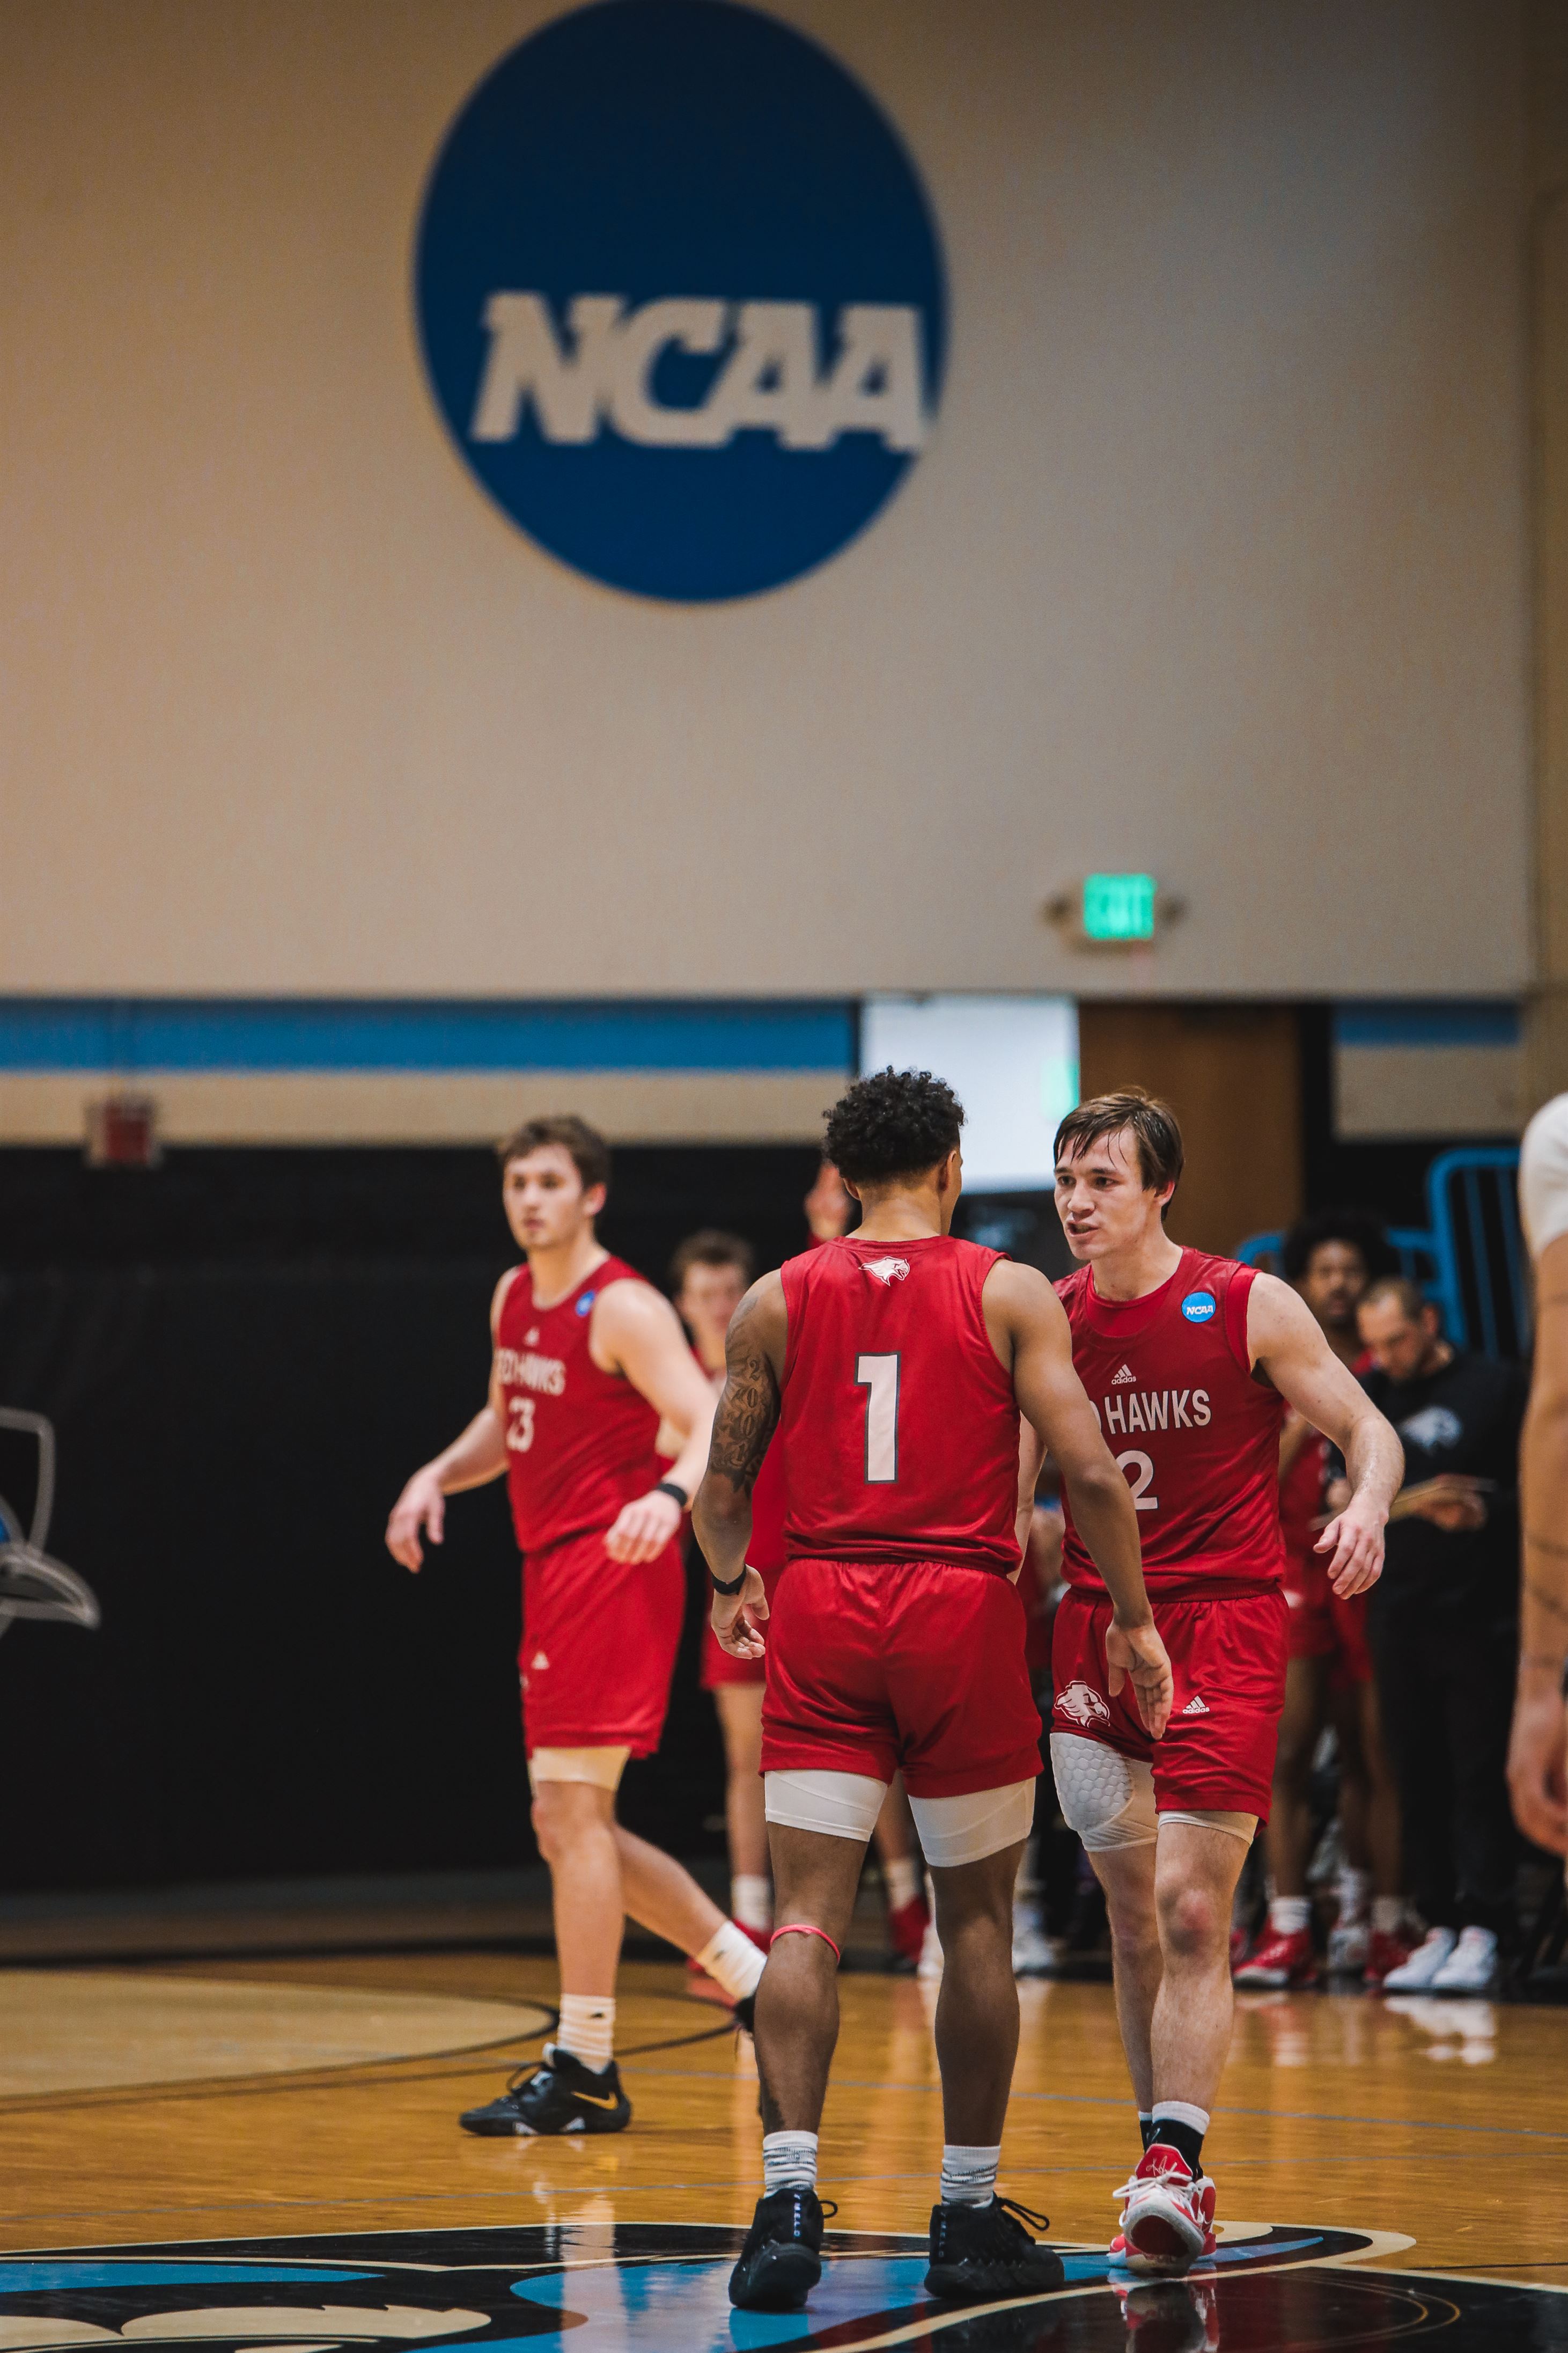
<point>1354,1540</point>
<point>736,1617</point>
<point>1138,1651</point>
<point>421,1507</point>
<point>1537,1764</point>
<point>644,1527</point>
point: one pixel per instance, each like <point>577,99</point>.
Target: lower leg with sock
<point>1178,2124</point>
<point>587,2029</point>
<point>733,1960</point>
<point>789,2161</point>
<point>751,1900</point>
<point>1289,1915</point>
<point>901,1878</point>
<point>969,2173</point>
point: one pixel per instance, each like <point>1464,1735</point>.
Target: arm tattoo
<point>748,1411</point>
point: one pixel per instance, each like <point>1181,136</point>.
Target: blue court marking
<point>684,2308</point>
<point>49,2279</point>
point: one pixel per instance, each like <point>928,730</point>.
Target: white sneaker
<point>1416,1974</point>
<point>1470,1967</point>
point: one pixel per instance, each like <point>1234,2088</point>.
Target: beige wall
<point>1216,563</point>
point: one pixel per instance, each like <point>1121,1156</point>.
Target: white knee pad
<point>835,1805</point>
<point>981,1822</point>
<point>1106,1797</point>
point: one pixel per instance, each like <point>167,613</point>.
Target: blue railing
<point>1470,1261</point>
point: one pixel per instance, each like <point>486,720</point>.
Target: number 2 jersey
<point>897,1422</point>
<point>579,1441</point>
<point>1193,1430</point>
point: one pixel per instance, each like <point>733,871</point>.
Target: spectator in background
<point>1538,1754</point>
<point>1330,1257</point>
<point>1444,1624</point>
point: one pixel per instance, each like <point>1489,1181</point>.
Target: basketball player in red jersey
<point>895,1364</point>
<point>588,1360</point>
<point>1190,1362</point>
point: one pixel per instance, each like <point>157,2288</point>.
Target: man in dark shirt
<point>1444,1630</point>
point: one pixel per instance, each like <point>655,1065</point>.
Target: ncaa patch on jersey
<point>680,297</point>
<point>1198,1307</point>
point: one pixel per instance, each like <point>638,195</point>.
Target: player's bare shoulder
<point>760,1323</point>
<point>626,1312</point>
<point>1020,1304</point>
<point>1278,1320</point>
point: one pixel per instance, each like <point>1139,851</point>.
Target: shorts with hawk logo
<point>599,1639</point>
<point>1227,1658</point>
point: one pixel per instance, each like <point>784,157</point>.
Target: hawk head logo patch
<point>888,1271</point>
<point>1081,1704</point>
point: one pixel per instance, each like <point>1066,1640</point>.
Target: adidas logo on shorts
<point>1126,1374</point>
<point>1195,1707</point>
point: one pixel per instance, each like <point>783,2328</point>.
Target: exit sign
<point>1119,907</point>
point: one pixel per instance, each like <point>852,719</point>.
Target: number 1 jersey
<point>899,1426</point>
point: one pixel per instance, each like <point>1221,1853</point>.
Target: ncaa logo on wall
<point>680,297</point>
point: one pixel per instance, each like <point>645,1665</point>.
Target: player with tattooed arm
<point>896,1363</point>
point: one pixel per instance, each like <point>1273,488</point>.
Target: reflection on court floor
<point>661,2288</point>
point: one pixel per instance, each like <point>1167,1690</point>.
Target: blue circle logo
<point>1198,1307</point>
<point>680,297</point>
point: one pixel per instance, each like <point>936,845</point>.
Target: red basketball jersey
<point>1197,1435</point>
<point>899,1429</point>
<point>579,1441</point>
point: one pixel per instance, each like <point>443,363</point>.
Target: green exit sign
<point>1119,906</point>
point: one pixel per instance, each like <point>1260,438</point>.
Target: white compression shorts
<point>952,1830</point>
<point>602,1766</point>
<point>1109,1799</point>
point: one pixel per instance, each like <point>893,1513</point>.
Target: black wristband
<point>675,1490</point>
<point>719,1586</point>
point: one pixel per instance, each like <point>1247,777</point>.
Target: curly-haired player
<point>895,1362</point>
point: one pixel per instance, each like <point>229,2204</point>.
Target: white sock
<point>587,2029</point>
<point>901,1879</point>
<point>789,2161</point>
<point>752,1899</point>
<point>733,1960</point>
<point>1289,1915</point>
<point>1355,1892</point>
<point>969,2175</point>
<point>1387,1915</point>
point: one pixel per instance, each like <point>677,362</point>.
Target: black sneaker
<point>980,2254</point>
<point>559,2095</point>
<point>783,2254</point>
<point>745,2014</point>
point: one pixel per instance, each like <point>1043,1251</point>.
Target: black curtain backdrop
<point>244,1355</point>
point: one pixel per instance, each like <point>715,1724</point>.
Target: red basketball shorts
<point>879,1667</point>
<point>718,1666</point>
<point>1322,1625</point>
<point>1227,1657</point>
<point>599,1639</point>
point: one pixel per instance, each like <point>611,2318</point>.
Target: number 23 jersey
<point>1193,1430</point>
<point>579,1441</point>
<point>899,1424</point>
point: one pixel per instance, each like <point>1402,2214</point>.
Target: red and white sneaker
<point>907,1926</point>
<point>1168,2219</point>
<point>1280,1960</point>
<point>1384,1953</point>
<point>1239,1940</point>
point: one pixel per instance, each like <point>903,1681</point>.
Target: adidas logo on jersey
<point>538,1660</point>
<point>1195,1707</point>
<point>1126,1374</point>
<point>888,1271</point>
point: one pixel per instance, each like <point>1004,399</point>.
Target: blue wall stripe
<point>147,1034</point>
<point>1444,1022</point>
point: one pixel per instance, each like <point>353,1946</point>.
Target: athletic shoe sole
<point>781,2278</point>
<point>995,2284</point>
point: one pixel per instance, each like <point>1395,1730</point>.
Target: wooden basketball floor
<point>1385,2169</point>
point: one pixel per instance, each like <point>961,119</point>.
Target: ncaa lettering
<point>768,378</point>
<point>1149,1409</point>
